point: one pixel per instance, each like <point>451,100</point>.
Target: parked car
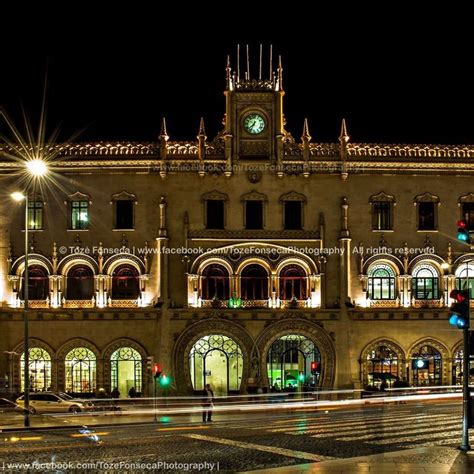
<point>50,402</point>
<point>6,406</point>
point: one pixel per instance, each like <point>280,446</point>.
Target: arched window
<point>457,367</point>
<point>290,361</point>
<point>425,283</point>
<point>382,367</point>
<point>38,283</point>
<point>217,360</point>
<point>381,282</point>
<point>465,278</point>
<point>426,366</point>
<point>292,283</point>
<point>125,284</point>
<point>80,283</point>
<point>126,371</point>
<point>215,283</point>
<point>254,283</point>
<point>81,368</point>
<point>39,369</point>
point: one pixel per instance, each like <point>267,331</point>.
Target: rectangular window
<point>426,216</point>
<point>35,215</point>
<point>79,215</point>
<point>124,214</point>
<point>254,214</point>
<point>382,215</point>
<point>293,215</point>
<point>214,214</point>
<point>468,214</point>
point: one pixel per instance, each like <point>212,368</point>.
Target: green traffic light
<point>164,380</point>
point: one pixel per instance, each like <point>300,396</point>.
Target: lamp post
<point>35,169</point>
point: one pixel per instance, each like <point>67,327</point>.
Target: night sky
<point>395,78</point>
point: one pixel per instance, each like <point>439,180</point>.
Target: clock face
<point>254,124</point>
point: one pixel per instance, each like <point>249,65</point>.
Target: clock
<point>254,124</point>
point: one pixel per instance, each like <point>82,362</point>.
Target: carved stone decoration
<point>381,197</point>
<point>293,196</point>
<point>306,328</point>
<point>254,176</point>
<point>207,327</point>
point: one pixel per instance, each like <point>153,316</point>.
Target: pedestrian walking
<point>207,404</point>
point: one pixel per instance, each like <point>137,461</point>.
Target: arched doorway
<point>293,283</point>
<point>39,369</point>
<point>81,370</point>
<point>426,366</point>
<point>382,367</point>
<point>126,371</point>
<point>216,360</point>
<point>80,283</point>
<point>254,283</point>
<point>457,367</point>
<point>289,363</point>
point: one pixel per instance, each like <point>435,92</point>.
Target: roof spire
<point>271,63</point>
<point>306,136</point>
<point>202,130</point>
<point>248,64</point>
<point>163,132</point>
<point>228,74</point>
<point>343,136</point>
<point>279,74</point>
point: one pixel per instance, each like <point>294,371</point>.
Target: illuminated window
<point>465,278</point>
<point>382,367</point>
<point>126,371</point>
<point>81,371</point>
<point>79,215</point>
<point>425,283</point>
<point>39,369</point>
<point>35,215</point>
<point>381,283</point>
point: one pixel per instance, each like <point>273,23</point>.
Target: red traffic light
<point>157,370</point>
<point>314,367</point>
<point>462,223</point>
<point>459,295</point>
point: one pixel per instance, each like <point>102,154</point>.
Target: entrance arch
<point>308,330</point>
<point>216,360</point>
<point>289,362</point>
<point>230,332</point>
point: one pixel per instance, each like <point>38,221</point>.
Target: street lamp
<point>36,168</point>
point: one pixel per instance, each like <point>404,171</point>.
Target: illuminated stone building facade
<point>238,261</point>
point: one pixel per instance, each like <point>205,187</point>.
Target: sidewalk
<point>436,459</point>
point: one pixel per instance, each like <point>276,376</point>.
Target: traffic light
<point>315,367</point>
<point>463,231</point>
<point>459,310</point>
<point>420,364</point>
<point>164,380</point>
<point>149,363</point>
<point>301,376</point>
<point>157,371</point>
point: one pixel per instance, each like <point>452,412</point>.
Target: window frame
<point>79,209</point>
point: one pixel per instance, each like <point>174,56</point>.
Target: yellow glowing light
<point>37,167</point>
<point>17,196</point>
<point>445,266</point>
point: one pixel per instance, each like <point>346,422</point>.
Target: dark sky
<point>396,77</point>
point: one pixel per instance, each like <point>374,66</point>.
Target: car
<point>50,402</point>
<point>7,406</point>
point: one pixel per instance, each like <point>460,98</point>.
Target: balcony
<point>78,304</point>
<point>383,303</point>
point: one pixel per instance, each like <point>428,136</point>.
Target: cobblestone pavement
<point>246,442</point>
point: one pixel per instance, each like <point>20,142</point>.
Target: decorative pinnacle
<point>163,132</point>
<point>343,137</point>
<point>306,136</point>
<point>202,131</point>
